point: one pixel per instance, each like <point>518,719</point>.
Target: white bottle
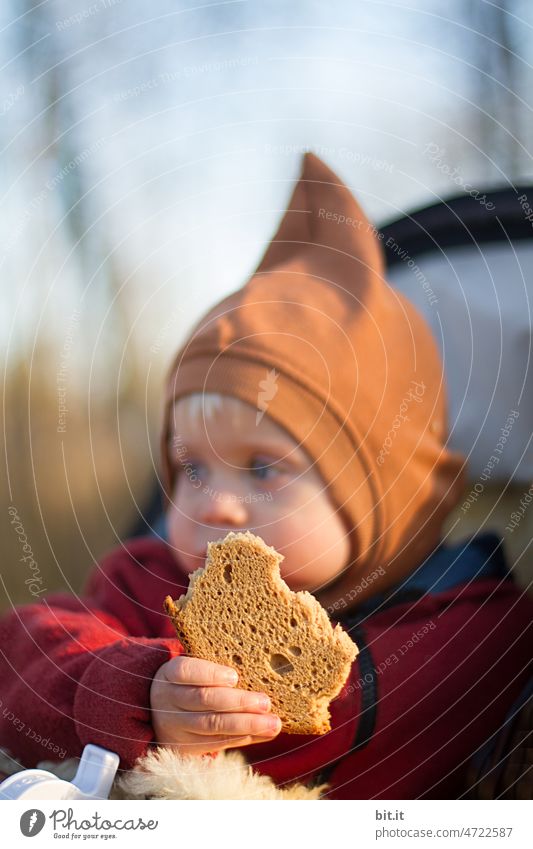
<point>93,780</point>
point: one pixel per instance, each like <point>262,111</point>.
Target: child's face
<point>234,474</point>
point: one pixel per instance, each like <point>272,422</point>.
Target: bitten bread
<point>239,612</point>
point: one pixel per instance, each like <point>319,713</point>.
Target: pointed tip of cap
<point>314,168</point>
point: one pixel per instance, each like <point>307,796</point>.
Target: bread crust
<point>239,612</point>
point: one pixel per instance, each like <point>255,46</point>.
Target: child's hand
<point>196,708</point>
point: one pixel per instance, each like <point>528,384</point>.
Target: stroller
<point>468,267</point>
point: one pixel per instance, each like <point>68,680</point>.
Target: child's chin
<point>189,563</point>
<point>296,583</point>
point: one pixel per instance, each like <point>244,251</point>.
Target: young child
<point>307,407</point>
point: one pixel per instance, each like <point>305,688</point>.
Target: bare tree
<point>499,75</point>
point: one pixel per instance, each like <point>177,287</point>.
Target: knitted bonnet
<point>359,381</point>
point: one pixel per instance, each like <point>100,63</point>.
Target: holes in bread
<point>281,664</point>
<point>227,573</point>
<point>294,623</point>
<point>237,659</point>
<point>295,650</point>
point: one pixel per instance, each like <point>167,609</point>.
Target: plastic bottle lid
<point>93,780</point>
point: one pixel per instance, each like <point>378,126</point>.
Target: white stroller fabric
<point>478,299</point>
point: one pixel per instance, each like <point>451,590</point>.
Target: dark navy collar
<point>476,558</point>
<point>446,567</point>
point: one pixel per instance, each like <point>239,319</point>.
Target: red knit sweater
<point>445,670</point>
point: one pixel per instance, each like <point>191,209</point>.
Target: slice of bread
<point>239,612</point>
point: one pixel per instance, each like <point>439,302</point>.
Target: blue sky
<point>181,125</point>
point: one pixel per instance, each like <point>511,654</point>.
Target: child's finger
<point>230,724</point>
<point>235,743</point>
<point>204,673</point>
<point>198,745</point>
<point>219,699</point>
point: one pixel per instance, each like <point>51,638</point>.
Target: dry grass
<point>70,490</point>
<point>77,498</point>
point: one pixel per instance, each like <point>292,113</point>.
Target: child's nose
<point>223,508</point>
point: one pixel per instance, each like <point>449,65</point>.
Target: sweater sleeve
<point>72,673</point>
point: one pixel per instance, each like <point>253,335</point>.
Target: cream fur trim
<point>165,774</point>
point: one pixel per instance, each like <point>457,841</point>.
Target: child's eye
<point>265,469</point>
